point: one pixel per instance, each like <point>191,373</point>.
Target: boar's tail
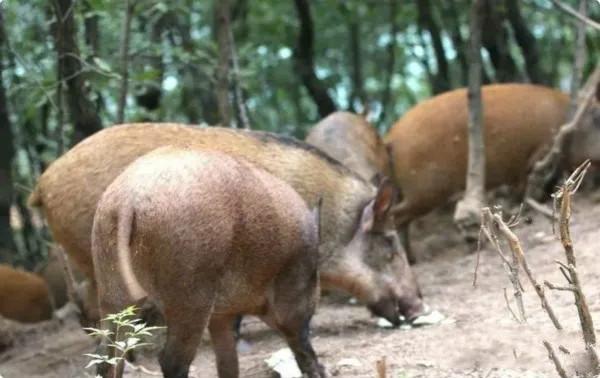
<point>35,198</point>
<point>124,229</point>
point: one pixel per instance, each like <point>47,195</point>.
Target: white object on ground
<point>434,317</point>
<point>351,362</point>
<point>430,318</point>
<point>284,364</point>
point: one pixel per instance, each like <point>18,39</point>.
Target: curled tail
<point>124,229</point>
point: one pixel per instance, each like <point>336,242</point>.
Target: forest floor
<point>478,338</point>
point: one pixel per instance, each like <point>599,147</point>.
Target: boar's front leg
<point>292,307</point>
<point>223,341</point>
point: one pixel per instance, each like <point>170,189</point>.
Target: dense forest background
<point>71,67</point>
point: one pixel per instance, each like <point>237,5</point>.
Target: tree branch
<point>572,12</point>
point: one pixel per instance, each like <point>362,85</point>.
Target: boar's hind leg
<point>184,331</point>
<point>294,301</point>
<point>223,341</point>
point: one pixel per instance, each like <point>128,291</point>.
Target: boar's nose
<point>411,308</point>
<point>387,309</point>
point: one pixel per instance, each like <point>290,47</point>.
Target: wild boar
<point>428,145</point>
<point>206,236</point>
<point>24,296</point>
<point>351,140</point>
<point>359,250</point>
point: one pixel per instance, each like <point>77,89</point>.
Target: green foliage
<point>128,336</point>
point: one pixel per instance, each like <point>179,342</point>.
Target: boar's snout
<point>411,307</point>
<point>392,306</point>
<point>387,309</point>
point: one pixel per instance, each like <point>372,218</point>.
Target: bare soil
<point>479,338</point>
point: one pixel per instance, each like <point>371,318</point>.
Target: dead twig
<point>559,369</point>
<point>489,226</point>
<point>381,368</point>
<point>493,221</point>
<point>569,270</point>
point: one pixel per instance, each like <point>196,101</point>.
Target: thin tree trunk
<point>427,22</point>
<point>244,121</point>
<point>390,63</point>
<point>358,91</point>
<point>468,210</point>
<point>495,40</point>
<point>526,42</point>
<point>92,31</point>
<point>124,55</point>
<point>222,33</point>
<point>453,27</point>
<point>82,111</point>
<point>149,96</point>
<point>304,61</point>
<point>579,60</point>
<point>6,156</point>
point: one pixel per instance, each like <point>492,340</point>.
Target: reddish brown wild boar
<point>206,236</point>
<point>359,252</point>
<point>428,145</point>
<point>24,296</point>
<point>353,141</point>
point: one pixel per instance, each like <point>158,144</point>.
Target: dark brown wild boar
<point>24,296</point>
<point>359,252</point>
<point>428,145</point>
<point>206,236</point>
<point>352,140</point>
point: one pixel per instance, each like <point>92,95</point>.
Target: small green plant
<point>129,333</point>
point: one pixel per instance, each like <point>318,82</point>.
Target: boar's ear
<point>316,216</point>
<point>374,214</point>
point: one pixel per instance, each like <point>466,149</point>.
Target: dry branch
<point>559,369</point>
<point>563,196</point>
<point>492,223</point>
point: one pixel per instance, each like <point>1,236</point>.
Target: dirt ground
<point>478,338</point>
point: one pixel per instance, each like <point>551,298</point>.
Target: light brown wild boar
<point>428,145</point>
<point>24,296</point>
<point>206,236</point>
<point>352,140</point>
<point>362,258</point>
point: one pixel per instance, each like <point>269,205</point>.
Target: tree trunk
<point>223,40</point>
<point>427,22</point>
<point>468,210</point>
<point>453,22</point>
<point>304,61</point>
<point>357,94</point>
<point>82,111</point>
<point>579,60</point>
<point>495,40</point>
<point>124,55</point>
<point>6,157</point>
<point>390,62</point>
<point>92,31</point>
<point>526,42</point>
